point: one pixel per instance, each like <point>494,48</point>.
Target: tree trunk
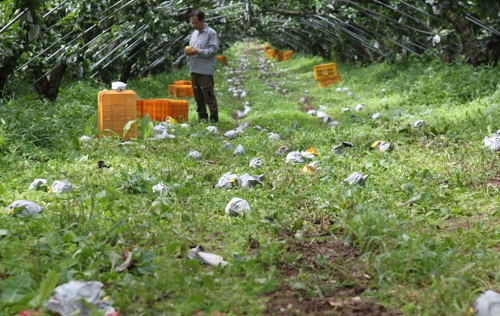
<point>127,68</point>
<point>5,71</point>
<point>319,49</point>
<point>367,53</point>
<point>49,88</point>
<point>468,36</point>
<point>446,55</point>
<point>126,71</point>
<point>493,49</point>
<point>104,74</point>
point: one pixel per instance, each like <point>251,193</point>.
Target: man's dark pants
<point>203,90</point>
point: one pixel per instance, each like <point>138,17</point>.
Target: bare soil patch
<point>306,107</point>
<point>495,182</point>
<point>334,270</point>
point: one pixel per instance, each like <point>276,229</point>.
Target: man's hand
<point>193,52</point>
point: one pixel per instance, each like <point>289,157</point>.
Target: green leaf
<point>147,256</point>
<point>114,258</point>
<point>17,288</point>
<point>68,263</point>
<point>75,143</point>
<point>148,130</point>
<point>127,127</point>
<point>46,288</point>
<point>271,286</point>
<point>172,248</point>
<point>90,127</point>
<point>146,268</point>
<point>198,298</point>
<point>297,225</point>
<point>34,30</point>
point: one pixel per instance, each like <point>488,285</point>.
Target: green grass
<point>431,258</point>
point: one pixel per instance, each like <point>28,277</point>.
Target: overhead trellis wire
<point>315,25</point>
<point>364,40</point>
<point>225,8</point>
<point>396,10</point>
<point>54,8</point>
<point>130,47</point>
<point>421,11</point>
<point>43,51</point>
<point>478,22</point>
<point>14,20</point>
<point>221,16</point>
<point>377,34</point>
<point>112,6</point>
<point>104,32</point>
<point>387,18</point>
<point>422,47</point>
<point>117,10</point>
<point>179,39</point>
<point>140,30</point>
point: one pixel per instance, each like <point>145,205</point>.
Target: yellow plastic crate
<point>115,109</point>
<point>328,81</point>
<point>325,70</point>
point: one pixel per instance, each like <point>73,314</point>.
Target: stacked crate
<point>280,56</point>
<point>284,56</point>
<point>115,110</point>
<point>222,59</point>
<point>160,109</point>
<point>287,55</point>
<point>181,89</point>
<point>179,110</point>
<point>326,74</point>
<point>272,52</point>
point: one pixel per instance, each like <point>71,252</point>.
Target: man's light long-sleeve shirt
<point>206,42</point>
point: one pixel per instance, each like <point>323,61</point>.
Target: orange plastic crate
<point>139,104</point>
<point>222,59</point>
<point>158,109</point>
<point>271,53</point>
<point>328,81</point>
<point>171,89</point>
<point>287,55</point>
<point>182,82</point>
<point>325,70</point>
<point>179,110</point>
<point>280,56</point>
<point>267,46</point>
<point>115,109</point>
<point>161,110</point>
<point>182,91</point>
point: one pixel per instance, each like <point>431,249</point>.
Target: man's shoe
<point>202,118</point>
<point>214,118</point>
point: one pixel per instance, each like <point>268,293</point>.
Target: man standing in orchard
<point>202,51</point>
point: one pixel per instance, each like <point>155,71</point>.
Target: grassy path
<point>421,237</point>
